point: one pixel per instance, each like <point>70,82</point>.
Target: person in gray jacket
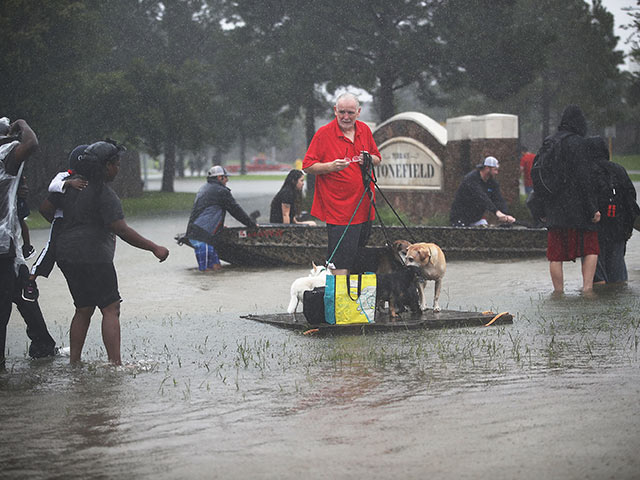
<point>212,202</point>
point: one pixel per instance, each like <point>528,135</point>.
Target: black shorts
<point>91,284</point>
<point>356,237</point>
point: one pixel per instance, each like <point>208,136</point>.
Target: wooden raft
<point>408,321</point>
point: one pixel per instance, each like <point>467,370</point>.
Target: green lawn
<point>275,176</point>
<point>155,203</point>
<point>630,162</point>
<point>148,205</point>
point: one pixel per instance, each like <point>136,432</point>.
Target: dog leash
<point>370,178</point>
<point>345,230</point>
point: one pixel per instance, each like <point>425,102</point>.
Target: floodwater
<point>204,393</point>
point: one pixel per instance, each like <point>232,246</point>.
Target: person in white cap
<point>212,202</point>
<point>478,193</point>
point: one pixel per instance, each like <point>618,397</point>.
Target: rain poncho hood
<point>597,149</point>
<point>573,120</point>
<point>10,231</point>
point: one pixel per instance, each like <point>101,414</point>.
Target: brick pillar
<point>472,138</point>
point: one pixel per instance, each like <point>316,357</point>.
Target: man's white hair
<point>349,96</point>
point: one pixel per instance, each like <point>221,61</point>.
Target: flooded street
<point>207,394</point>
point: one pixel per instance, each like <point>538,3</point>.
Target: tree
<point>493,47</point>
<point>44,50</point>
<point>586,71</point>
<point>300,42</point>
<point>634,86</point>
<point>531,58</point>
<point>388,45</point>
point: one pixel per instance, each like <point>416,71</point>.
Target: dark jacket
<point>212,202</point>
<point>612,186</point>
<point>474,197</point>
<point>575,205</point>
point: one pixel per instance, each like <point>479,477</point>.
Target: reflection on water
<point>205,393</point>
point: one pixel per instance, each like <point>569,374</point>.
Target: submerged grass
<point>428,361</point>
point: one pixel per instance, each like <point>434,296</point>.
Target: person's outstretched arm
<point>129,235</point>
<point>27,146</point>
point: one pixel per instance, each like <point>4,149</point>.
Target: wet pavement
<point>207,394</point>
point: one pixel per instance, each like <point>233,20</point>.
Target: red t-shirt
<point>526,161</point>
<point>337,193</point>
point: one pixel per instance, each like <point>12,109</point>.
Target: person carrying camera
<point>335,156</point>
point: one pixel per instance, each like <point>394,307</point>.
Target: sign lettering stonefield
<point>408,165</point>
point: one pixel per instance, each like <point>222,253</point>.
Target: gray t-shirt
<point>86,236</point>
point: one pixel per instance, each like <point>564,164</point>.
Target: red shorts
<point>564,244</point>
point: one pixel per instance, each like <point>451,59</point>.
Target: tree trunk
<point>40,168</point>
<point>546,108</point>
<point>128,182</point>
<point>216,158</point>
<point>180,164</point>
<point>386,107</point>
<point>243,151</point>
<point>169,170</point>
<point>310,129</point>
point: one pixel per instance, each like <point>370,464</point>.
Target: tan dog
<point>393,258</point>
<point>428,257</point>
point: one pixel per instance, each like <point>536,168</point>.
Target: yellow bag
<point>350,299</point>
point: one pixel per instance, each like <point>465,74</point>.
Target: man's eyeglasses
<point>347,112</point>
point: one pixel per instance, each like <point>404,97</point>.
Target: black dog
<point>400,289</point>
<point>392,259</point>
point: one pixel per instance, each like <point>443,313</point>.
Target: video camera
<point>367,161</point>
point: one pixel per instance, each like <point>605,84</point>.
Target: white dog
<point>317,278</point>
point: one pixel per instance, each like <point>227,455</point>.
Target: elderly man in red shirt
<point>335,157</point>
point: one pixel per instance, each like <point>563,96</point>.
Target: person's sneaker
<point>30,291</point>
<point>28,252</point>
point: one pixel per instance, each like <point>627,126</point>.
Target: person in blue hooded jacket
<point>206,221</point>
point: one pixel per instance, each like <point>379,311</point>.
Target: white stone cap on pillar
<point>494,125</point>
<point>428,123</point>
<point>459,128</point>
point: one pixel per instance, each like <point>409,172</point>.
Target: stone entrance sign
<point>423,162</point>
<point>408,164</point>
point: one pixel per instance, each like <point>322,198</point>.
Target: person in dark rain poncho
<point>571,214</point>
<point>618,211</point>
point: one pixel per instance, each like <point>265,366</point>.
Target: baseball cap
<point>74,156</point>
<point>489,162</point>
<point>216,171</point>
<point>101,151</point>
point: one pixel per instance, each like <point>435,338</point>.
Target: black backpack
<point>618,212</point>
<point>549,169</point>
